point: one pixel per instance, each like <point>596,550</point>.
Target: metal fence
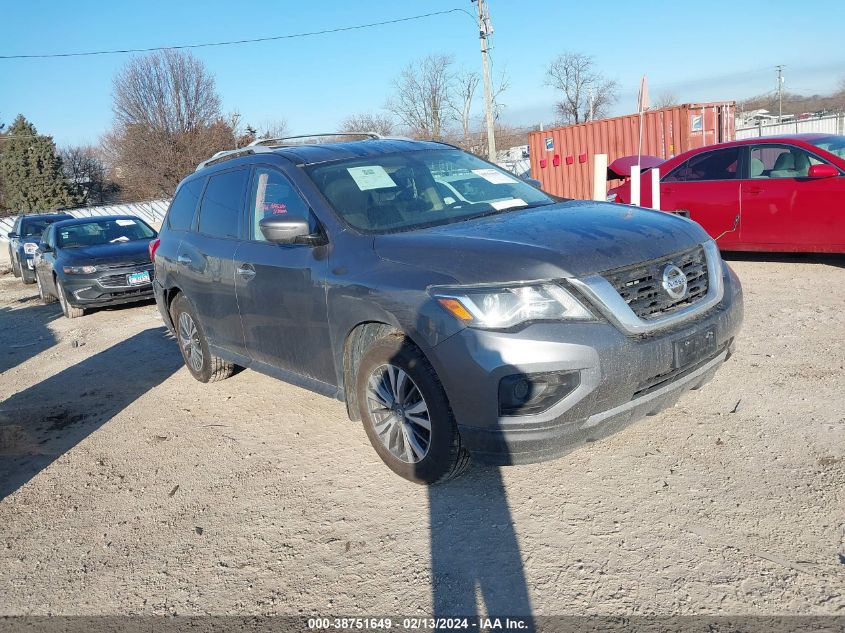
<point>825,125</point>
<point>152,211</point>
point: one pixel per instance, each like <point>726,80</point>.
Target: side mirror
<point>12,235</point>
<point>534,182</point>
<point>44,247</point>
<point>286,229</point>
<point>822,171</point>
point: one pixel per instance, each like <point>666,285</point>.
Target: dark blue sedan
<point>92,262</point>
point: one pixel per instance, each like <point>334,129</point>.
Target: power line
<point>234,42</point>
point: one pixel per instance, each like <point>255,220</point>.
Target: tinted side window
<point>272,194</point>
<point>220,211</point>
<point>719,165</point>
<point>180,217</point>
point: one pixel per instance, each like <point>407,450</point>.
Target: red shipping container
<point>666,133</point>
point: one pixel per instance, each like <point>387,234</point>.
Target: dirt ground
<point>128,488</point>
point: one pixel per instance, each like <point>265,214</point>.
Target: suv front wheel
<point>194,346</point>
<point>406,413</point>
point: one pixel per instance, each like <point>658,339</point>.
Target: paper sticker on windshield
<point>125,222</point>
<point>507,204</point>
<point>371,177</point>
<point>494,176</point>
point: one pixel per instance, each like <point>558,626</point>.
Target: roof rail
<point>280,141</point>
<point>231,153</point>
<point>262,145</point>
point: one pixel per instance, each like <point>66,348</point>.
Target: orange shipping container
<point>562,157</point>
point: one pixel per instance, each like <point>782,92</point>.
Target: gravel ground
<point>128,488</point>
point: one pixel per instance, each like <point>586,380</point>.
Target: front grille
<point>140,264</point>
<point>120,280</point>
<point>641,285</point>
<point>660,380</point>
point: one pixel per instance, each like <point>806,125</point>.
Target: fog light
<point>524,394</point>
<point>76,293</point>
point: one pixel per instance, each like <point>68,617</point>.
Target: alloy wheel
<point>189,339</point>
<point>399,412</point>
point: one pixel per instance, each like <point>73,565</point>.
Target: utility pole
<point>780,92</point>
<point>591,104</point>
<point>485,34</point>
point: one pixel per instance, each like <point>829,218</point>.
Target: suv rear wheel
<point>406,413</point>
<point>194,346</point>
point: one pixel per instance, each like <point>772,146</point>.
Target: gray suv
<point>489,320</point>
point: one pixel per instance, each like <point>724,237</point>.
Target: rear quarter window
<point>222,204</point>
<point>180,216</point>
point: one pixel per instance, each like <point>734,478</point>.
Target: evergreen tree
<point>31,171</point>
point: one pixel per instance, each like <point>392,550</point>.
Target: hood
<point>569,239</point>
<point>134,252</point>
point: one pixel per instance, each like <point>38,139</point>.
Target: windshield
<point>833,144</point>
<point>34,228</point>
<point>409,190</point>
<point>98,232</point>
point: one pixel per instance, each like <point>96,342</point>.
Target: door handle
<point>184,259</point>
<point>754,190</point>
<point>246,271</point>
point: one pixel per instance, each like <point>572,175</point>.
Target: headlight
<point>79,270</point>
<point>506,307</point>
<point>30,247</point>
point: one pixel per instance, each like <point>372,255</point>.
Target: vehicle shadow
<point>33,320</point>
<point>476,563</point>
<point>828,259</point>
<point>41,423</point>
<point>474,550</point>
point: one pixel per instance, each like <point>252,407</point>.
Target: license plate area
<point>138,279</point>
<point>694,348</point>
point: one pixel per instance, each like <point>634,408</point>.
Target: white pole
<point>600,177</point>
<point>635,185</point>
<point>655,188</point>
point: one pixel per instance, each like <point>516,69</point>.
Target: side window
<point>780,161</point>
<point>220,211</point>
<point>272,194</point>
<point>719,165</point>
<point>48,236</point>
<point>180,217</point>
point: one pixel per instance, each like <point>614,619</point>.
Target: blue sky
<point>718,50</point>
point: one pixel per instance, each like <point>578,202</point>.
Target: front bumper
<point>109,287</point>
<point>622,379</point>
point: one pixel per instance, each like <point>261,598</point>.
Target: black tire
<point>45,296</point>
<point>445,458</point>
<point>69,311</point>
<point>206,368</point>
<point>16,267</point>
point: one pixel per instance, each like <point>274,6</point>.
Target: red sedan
<point>783,193</point>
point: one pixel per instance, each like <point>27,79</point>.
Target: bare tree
<point>277,128</point>
<point>421,100</point>
<point>167,119</point>
<point>466,83</point>
<point>498,89</point>
<point>87,175</point>
<point>574,74</point>
<point>665,99</point>
<point>364,122</point>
